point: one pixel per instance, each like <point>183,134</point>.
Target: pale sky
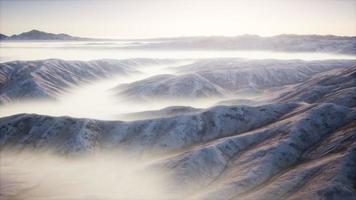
<point>170,18</point>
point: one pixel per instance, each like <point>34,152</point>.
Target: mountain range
<point>46,79</point>
<point>40,35</point>
<point>273,129</point>
<point>300,146</point>
<point>281,43</point>
<point>232,77</point>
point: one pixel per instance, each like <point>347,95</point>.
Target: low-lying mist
<point>104,175</point>
<point>98,100</point>
<point>81,50</point>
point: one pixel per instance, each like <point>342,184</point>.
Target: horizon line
<point>186,36</point>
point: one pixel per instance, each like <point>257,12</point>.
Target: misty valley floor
<point>178,128</point>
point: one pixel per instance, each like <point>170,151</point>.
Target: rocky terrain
<point>46,79</point>
<point>300,145</point>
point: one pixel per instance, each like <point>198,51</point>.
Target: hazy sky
<point>166,18</point>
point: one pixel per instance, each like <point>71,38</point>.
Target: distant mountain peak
<point>35,30</point>
<point>41,35</point>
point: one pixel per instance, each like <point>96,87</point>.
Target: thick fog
<point>42,174</point>
<point>92,50</point>
<point>98,99</point>
<point>103,175</point>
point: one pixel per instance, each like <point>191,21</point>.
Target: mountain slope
<point>165,134</point>
<point>225,78</point>
<point>2,36</point>
<point>296,148</point>
<point>335,86</point>
<point>309,153</point>
<point>21,80</point>
<point>233,166</point>
<point>162,113</point>
<point>188,86</point>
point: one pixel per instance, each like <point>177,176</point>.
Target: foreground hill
<point>295,148</point>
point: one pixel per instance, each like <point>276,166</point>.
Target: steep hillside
<point>276,160</point>
<point>335,86</point>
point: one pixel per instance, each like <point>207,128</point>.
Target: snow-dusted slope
<point>225,77</point>
<point>295,148</point>
<point>308,153</point>
<point>162,113</point>
<point>165,134</point>
<point>188,86</point>
<point>234,166</point>
<point>48,78</point>
<point>336,86</point>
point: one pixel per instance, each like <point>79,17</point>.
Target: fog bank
<point>34,175</point>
